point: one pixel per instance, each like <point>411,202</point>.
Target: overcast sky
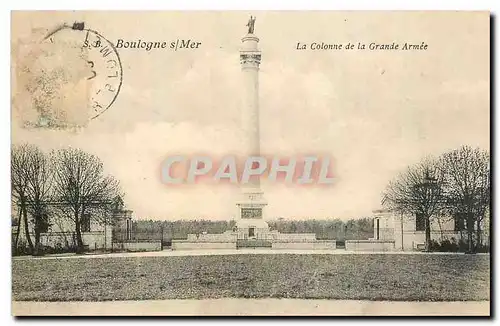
<point>374,112</point>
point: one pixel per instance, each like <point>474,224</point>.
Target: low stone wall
<point>153,245</point>
<point>415,240</point>
<point>305,245</point>
<point>96,240</point>
<point>193,245</point>
<point>92,240</point>
<point>370,245</point>
<point>296,237</point>
<point>57,239</point>
<point>221,237</point>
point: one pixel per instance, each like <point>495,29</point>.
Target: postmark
<point>103,61</point>
<point>65,77</point>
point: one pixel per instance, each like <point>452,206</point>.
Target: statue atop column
<point>251,25</point>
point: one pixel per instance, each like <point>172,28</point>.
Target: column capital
<point>250,54</point>
<point>250,59</point>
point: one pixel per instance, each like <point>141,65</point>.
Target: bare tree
<point>418,190</point>
<point>39,177</point>
<point>19,187</point>
<point>80,183</point>
<point>467,173</point>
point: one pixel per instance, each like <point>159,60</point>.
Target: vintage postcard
<point>320,163</point>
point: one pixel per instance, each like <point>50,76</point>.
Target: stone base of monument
<point>226,240</point>
<point>199,245</point>
<point>259,237</point>
<point>305,245</point>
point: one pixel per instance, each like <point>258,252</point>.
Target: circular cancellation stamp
<point>69,78</point>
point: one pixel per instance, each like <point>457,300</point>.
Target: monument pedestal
<point>250,223</point>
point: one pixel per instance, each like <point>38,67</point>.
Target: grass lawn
<point>372,277</point>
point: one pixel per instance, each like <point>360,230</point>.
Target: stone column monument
<point>250,222</point>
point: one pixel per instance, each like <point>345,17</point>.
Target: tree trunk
<point>18,229</point>
<point>26,227</point>
<point>440,228</point>
<point>478,234</point>
<point>470,233</point>
<point>427,234</point>
<point>79,241</point>
<point>37,251</point>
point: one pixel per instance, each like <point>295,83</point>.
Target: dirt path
<point>176,253</point>
<point>252,307</point>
